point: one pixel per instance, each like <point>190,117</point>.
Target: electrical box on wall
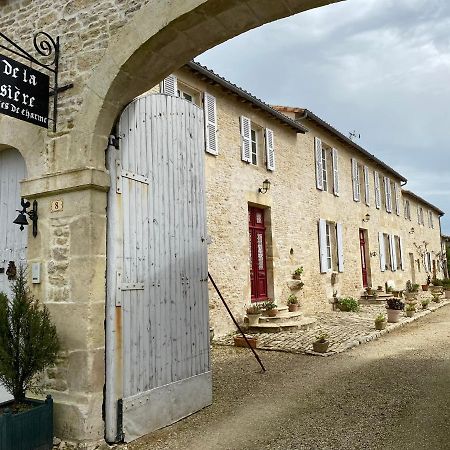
<point>36,272</point>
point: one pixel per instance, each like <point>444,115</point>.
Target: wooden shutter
<point>382,252</point>
<point>270,150</point>
<point>377,190</point>
<point>418,214</point>
<point>209,105</point>
<point>169,85</point>
<point>323,246</point>
<point>400,244</point>
<point>366,186</point>
<point>387,188</point>
<point>340,247</point>
<point>319,168</point>
<point>393,252</point>
<point>335,157</point>
<point>246,128</point>
<point>355,179</point>
<point>397,198</point>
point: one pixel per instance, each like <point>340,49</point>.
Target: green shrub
<point>28,339</point>
<point>292,300</point>
<point>348,304</point>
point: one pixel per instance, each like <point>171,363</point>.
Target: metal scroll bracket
<point>48,49</point>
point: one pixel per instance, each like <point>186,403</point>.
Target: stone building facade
<point>332,207</point>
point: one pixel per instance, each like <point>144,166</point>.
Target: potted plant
<point>425,302</point>
<point>239,341</point>
<point>411,292</point>
<point>380,322</point>
<point>380,288</point>
<point>271,308</point>
<point>298,272</point>
<point>437,289</point>
<point>410,309</point>
<point>347,304</point>
<point>394,309</point>
<point>28,345</point>
<point>292,303</point>
<point>321,344</point>
<point>253,314</point>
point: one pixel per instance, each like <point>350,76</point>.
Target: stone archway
<point>112,56</point>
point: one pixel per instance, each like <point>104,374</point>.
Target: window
<point>188,93</point>
<point>366,186</point>
<point>391,252</point>
<point>324,169</point>
<point>430,219</point>
<point>252,138</point>
<point>407,209</point>
<point>330,246</point>
<point>356,180</point>
<point>420,219</point>
<point>327,167</point>
<point>254,147</point>
<point>376,177</point>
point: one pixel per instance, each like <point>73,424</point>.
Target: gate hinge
<point>114,141</point>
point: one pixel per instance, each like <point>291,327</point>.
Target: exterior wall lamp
<point>22,217</point>
<point>265,188</point>
<point>366,218</point>
<point>411,231</point>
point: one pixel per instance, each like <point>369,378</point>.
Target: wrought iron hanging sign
<point>25,91</point>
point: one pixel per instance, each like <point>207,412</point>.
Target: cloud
<point>380,67</point>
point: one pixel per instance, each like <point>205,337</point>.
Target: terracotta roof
<point>420,199</point>
<point>195,66</point>
<point>308,115</point>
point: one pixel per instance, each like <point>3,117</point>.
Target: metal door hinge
<point>114,141</point>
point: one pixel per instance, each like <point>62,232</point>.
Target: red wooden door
<point>258,267</point>
<point>362,246</point>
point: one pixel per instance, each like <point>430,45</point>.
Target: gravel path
<point>392,393</point>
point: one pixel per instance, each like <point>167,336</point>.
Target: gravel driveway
<point>392,393</point>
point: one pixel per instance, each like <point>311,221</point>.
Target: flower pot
<point>253,319</point>
<point>239,341</point>
<point>32,428</point>
<point>410,297</point>
<point>393,315</point>
<point>272,312</point>
<point>424,305</point>
<point>320,347</point>
<point>297,277</point>
<point>293,307</point>
<point>424,287</point>
<point>380,325</point>
<point>410,313</point>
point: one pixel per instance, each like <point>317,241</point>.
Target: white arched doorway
<point>13,242</point>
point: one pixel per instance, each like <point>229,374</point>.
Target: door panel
<point>363,251</point>
<point>258,262</point>
<point>13,242</point>
<point>157,237</point>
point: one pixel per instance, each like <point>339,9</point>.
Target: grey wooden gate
<point>13,242</point>
<point>157,356</point>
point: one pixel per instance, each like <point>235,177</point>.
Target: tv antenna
<point>353,134</point>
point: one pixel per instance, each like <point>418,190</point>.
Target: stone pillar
<point>71,247</point>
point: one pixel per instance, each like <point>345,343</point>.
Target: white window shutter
<point>387,188</point>
<point>169,85</point>
<point>323,246</point>
<point>319,168</point>
<point>377,190</point>
<point>270,150</point>
<point>340,247</point>
<point>355,180</point>
<point>393,252</point>
<point>366,186</point>
<point>382,252</point>
<point>335,155</point>
<point>397,199</point>
<point>209,105</point>
<point>245,135</point>
<point>418,214</point>
<point>400,244</point>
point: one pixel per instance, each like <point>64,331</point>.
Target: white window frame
<point>254,146</point>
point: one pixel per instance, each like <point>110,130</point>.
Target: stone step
<point>274,327</point>
<point>283,317</point>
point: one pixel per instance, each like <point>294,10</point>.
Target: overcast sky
<point>380,67</point>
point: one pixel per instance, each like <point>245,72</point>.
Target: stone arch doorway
<point>159,39</point>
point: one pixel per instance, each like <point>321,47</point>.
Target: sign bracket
<point>49,49</point>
